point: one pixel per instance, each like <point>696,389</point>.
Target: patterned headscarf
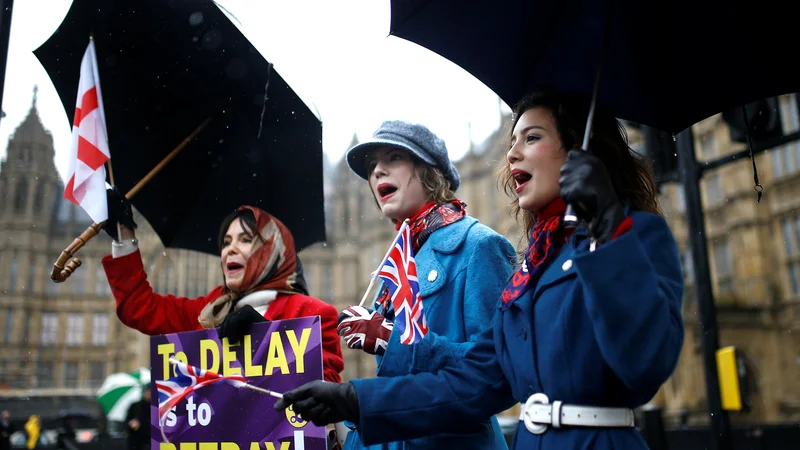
<point>272,265</point>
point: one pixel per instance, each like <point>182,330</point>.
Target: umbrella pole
<point>66,262</point>
<point>570,218</point>
<point>138,186</point>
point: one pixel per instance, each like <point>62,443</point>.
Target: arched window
<point>21,196</point>
<point>3,194</point>
<point>12,283</point>
<point>38,201</point>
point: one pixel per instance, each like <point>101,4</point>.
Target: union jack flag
<point>399,273</point>
<point>188,380</point>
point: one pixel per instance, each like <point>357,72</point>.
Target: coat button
<point>567,265</point>
<point>432,275</point>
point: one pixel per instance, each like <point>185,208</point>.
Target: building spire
<point>35,95</point>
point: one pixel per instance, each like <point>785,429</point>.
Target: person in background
<point>33,428</point>
<point>138,422</point>
<point>6,430</point>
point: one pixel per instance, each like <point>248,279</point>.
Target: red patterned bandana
<point>546,239</point>
<point>429,219</point>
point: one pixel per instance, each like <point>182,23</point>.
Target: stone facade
<point>55,337</point>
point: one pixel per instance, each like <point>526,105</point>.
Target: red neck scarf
<point>547,238</point>
<point>430,218</point>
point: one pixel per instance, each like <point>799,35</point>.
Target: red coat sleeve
<point>298,305</point>
<point>332,359</point>
<point>140,308</point>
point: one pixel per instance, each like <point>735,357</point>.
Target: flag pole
<point>262,390</point>
<point>383,261</point>
<point>174,361</point>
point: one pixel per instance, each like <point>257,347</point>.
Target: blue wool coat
<point>462,270</point>
<point>601,328</point>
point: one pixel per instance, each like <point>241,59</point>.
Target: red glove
<point>364,329</point>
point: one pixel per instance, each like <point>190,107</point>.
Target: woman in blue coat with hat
<point>462,267</point>
<point>587,329</point>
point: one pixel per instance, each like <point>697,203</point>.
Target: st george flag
<point>399,273</point>
<point>86,180</point>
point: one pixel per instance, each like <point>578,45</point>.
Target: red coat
<point>142,309</point>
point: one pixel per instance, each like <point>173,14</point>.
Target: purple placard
<point>239,418</point>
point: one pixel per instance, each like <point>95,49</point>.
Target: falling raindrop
<point>196,18</point>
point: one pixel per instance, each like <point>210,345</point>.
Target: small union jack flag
<point>399,273</point>
<point>188,380</point>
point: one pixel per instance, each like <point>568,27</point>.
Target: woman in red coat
<point>261,281</point>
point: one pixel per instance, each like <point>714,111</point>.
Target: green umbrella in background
<point>120,390</point>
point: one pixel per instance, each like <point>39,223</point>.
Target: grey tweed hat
<point>417,139</point>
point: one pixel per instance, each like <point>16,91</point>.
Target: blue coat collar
<point>433,275</point>
<point>450,238</point>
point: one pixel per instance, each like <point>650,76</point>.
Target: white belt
<point>537,414</point>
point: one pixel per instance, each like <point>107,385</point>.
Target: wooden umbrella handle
<point>64,266</point>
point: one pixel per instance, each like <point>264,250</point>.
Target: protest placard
<point>277,356</point>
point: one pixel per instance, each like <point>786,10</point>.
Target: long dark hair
<point>631,173</point>
<point>247,220</point>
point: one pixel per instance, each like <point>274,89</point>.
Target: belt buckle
<point>535,428</point>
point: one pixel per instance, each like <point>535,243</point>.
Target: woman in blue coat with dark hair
<point>587,329</point>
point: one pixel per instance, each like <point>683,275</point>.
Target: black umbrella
<point>166,67</point>
<point>668,64</point>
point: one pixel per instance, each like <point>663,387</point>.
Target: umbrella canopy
<point>120,390</point>
<point>165,67</point>
<point>668,64</point>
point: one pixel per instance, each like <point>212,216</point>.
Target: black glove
<point>238,322</point>
<point>586,186</point>
<point>119,211</point>
<point>322,402</point>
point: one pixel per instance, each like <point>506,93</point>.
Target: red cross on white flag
<point>86,185</point>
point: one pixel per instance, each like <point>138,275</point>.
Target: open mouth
<point>385,190</point>
<point>232,266</point>
<point>521,178</point>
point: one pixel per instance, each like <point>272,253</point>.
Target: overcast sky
<point>336,55</point>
